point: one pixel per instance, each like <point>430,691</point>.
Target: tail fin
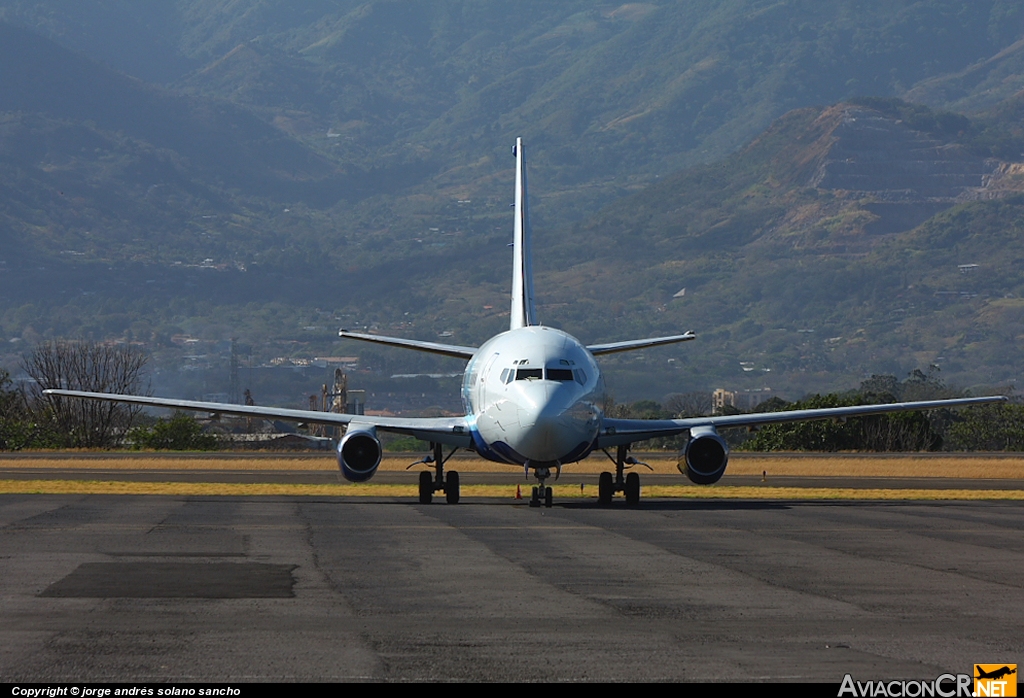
<point>524,313</point>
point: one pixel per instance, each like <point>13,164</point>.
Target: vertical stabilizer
<point>523,312</point>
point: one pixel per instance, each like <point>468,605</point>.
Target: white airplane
<point>533,399</point>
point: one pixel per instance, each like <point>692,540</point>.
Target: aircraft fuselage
<point>533,396</point>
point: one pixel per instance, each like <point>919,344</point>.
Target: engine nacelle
<point>359,453</point>
<point>705,456</point>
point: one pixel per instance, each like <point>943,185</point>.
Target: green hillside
<point>213,169</point>
<point>814,286</point>
<point>604,92</point>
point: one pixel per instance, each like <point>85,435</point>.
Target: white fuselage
<point>533,396</point>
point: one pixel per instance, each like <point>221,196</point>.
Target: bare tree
<point>81,365</point>
<point>693,404</point>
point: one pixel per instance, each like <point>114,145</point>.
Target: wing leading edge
<point>451,431</point>
<point>634,344</point>
<point>617,432</point>
<point>452,350</point>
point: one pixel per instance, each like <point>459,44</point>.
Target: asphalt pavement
<point>146,588</point>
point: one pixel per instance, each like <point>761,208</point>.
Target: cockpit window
<point>560,374</point>
<point>581,377</point>
<point>504,374</point>
<point>523,374</point>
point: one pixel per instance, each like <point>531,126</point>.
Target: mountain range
<point>206,168</point>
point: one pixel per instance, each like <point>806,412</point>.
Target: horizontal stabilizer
<point>430,347</point>
<point>634,344</point>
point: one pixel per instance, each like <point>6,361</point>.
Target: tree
<point>179,433</point>
<point>81,365</point>
<point>819,435</point>
<point>908,431</point>
<point>901,431</point>
<point>989,428</point>
<point>19,428</point>
<point>692,404</point>
<point>15,425</point>
<point>772,404</point>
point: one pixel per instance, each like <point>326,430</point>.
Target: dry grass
<point>775,465</point>
<point>143,462</point>
<point>561,492</point>
<point>881,466</point>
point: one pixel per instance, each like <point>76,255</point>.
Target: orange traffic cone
<point>519,492</point>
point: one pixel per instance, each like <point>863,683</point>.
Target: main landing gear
<point>438,481</point>
<point>628,485</point>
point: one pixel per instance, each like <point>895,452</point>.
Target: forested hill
<point>608,95</point>
<point>873,236</point>
<point>220,169</point>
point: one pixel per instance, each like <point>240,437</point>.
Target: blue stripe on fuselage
<point>501,452</point>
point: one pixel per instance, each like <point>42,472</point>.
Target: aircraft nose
<point>534,400</point>
<point>552,424</point>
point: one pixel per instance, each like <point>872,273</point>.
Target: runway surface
<point>127,588</point>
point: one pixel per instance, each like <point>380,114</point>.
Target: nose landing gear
<point>438,482</point>
<point>541,493</point>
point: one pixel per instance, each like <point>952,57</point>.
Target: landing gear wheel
<point>632,489</point>
<point>535,498</point>
<point>605,489</point>
<point>451,487</point>
<point>426,487</point>
<point>548,497</point>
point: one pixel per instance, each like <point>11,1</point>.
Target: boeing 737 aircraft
<point>533,399</point>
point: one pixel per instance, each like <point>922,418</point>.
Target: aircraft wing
<point>451,431</point>
<point>634,344</point>
<point>452,350</point>
<point>616,432</point>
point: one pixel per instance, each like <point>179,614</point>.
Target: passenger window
<point>559,374</point>
<point>581,377</point>
<point>529,374</point>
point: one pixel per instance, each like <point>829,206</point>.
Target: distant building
<point>349,362</point>
<point>744,400</point>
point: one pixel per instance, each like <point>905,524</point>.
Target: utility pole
<point>233,390</point>
<point>248,420</point>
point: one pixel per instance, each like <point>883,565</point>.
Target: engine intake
<point>359,453</point>
<point>705,456</point>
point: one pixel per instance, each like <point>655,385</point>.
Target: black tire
<point>548,497</point>
<point>451,487</point>
<point>605,489</point>
<point>535,498</point>
<point>426,487</point>
<point>632,489</point>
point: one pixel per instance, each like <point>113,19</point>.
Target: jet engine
<point>705,456</point>
<point>359,453</point>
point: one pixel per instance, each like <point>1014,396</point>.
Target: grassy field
<point>777,467</point>
<point>973,467</point>
<point>492,491</point>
